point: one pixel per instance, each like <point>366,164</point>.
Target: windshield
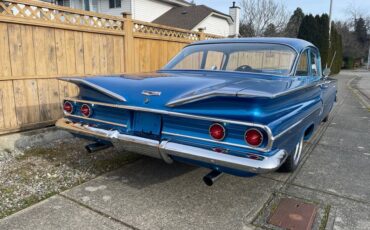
<point>243,57</point>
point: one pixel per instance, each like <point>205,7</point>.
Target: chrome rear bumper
<point>165,149</point>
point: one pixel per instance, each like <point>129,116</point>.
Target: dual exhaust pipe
<point>97,146</point>
<point>208,179</point>
<point>212,177</point>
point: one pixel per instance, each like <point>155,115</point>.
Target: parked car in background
<point>239,106</point>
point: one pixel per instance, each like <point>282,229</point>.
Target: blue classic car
<point>238,106</point>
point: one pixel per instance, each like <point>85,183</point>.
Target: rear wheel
<point>294,158</point>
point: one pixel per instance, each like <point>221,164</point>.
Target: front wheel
<point>294,158</point>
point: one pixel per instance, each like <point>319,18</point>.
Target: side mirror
<point>326,72</point>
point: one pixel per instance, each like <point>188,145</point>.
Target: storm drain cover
<point>293,214</point>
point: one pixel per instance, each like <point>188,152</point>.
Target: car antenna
<point>332,60</point>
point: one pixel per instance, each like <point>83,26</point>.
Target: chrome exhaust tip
<point>211,177</point>
<point>97,146</point>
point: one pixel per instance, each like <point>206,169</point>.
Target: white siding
<point>214,25</point>
<point>144,10</point>
<point>104,7</point>
<point>94,5</point>
<point>148,10</point>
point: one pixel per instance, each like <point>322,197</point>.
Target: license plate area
<point>147,124</point>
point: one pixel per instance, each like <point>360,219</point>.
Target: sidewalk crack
<point>99,212</point>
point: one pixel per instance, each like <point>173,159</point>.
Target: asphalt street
<point>149,194</point>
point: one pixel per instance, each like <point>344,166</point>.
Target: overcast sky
<point>308,6</point>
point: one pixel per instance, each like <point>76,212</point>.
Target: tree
<point>270,31</point>
<point>309,29</point>
<point>337,49</point>
<point>258,14</point>
<point>246,30</point>
<point>294,23</point>
<point>316,30</point>
<point>323,37</point>
<point>361,30</point>
<point>351,48</point>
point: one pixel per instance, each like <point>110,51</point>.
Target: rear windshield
<point>242,57</point>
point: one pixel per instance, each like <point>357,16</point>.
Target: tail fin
<point>81,81</point>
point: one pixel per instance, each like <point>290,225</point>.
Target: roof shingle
<point>186,17</point>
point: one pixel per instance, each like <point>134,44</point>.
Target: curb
<point>362,99</point>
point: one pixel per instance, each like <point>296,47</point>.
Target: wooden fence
<point>40,42</point>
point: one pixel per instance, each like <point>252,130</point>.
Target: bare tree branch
<point>261,13</point>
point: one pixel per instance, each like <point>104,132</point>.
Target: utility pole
<point>330,12</point>
<point>368,60</point>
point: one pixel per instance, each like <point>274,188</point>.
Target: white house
<point>176,13</point>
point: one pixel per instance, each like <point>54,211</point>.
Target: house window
<point>63,3</point>
<point>114,3</point>
<point>87,5</point>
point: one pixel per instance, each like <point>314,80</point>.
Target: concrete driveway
<point>149,194</point>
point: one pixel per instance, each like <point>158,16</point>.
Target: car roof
<point>295,43</point>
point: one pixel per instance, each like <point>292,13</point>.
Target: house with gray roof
<point>176,13</point>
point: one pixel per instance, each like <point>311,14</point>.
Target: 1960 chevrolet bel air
<point>239,106</point>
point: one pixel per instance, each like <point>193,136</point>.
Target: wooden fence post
<point>129,43</point>
<point>202,35</point>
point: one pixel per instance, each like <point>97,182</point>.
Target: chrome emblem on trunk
<point>151,93</point>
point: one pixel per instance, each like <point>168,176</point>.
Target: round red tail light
<point>253,137</point>
<point>86,110</point>
<point>217,132</point>
<point>68,107</point>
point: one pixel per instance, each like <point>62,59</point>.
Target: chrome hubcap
<point>298,152</point>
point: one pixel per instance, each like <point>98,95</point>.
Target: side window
<point>315,67</point>
<point>302,68</point>
<point>192,61</point>
<point>214,60</point>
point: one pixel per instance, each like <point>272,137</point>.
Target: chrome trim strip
<point>292,126</point>
<point>151,93</point>
<point>94,86</point>
<point>273,96</point>
<point>165,149</point>
<point>199,97</point>
<point>214,141</point>
<point>97,120</point>
<point>244,93</point>
<point>184,115</point>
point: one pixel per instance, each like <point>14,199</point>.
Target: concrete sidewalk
<point>149,194</point>
<point>361,87</point>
